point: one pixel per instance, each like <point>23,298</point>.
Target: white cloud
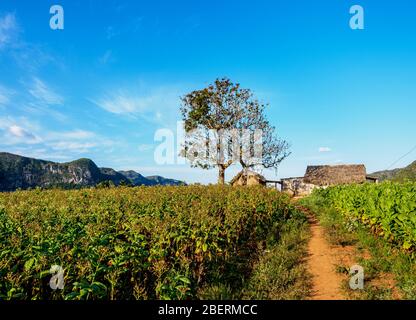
<point>8,30</point>
<point>75,134</point>
<point>324,149</point>
<point>156,105</point>
<point>122,103</point>
<point>44,94</point>
<point>28,56</point>
<point>21,132</point>
<point>8,121</point>
<point>75,141</point>
<point>18,132</point>
<point>18,135</point>
<point>77,147</point>
<point>145,147</point>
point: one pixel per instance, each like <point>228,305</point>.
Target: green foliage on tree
<point>226,124</point>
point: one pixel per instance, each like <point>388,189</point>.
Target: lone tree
<point>225,124</point>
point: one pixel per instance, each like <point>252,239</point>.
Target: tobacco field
<point>143,242</point>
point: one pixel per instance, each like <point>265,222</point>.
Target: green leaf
<point>29,264</point>
<point>184,279</point>
<point>44,273</point>
<point>407,245</point>
<point>118,249</point>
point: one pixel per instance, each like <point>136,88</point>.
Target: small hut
<point>248,178</point>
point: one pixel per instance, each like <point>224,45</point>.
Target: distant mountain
<point>163,181</point>
<point>112,175</point>
<point>23,172</point>
<point>398,175</point>
<point>136,178</point>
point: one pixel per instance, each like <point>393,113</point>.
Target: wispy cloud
<point>76,141</point>
<point>324,149</point>
<point>145,147</point>
<point>106,58</point>
<point>14,132</point>
<point>3,98</point>
<point>111,32</point>
<point>44,94</point>
<point>26,55</point>
<point>76,134</point>
<point>155,105</point>
<point>5,94</point>
<point>131,26</point>
<point>19,132</point>
<point>8,30</point>
<point>123,103</point>
<point>74,147</point>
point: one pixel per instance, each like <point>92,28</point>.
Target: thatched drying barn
<point>248,178</point>
<point>324,176</point>
<point>315,177</point>
<point>333,175</point>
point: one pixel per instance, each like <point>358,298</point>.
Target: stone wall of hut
<point>295,187</point>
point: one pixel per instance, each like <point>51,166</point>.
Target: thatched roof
<point>332,175</point>
<point>248,173</point>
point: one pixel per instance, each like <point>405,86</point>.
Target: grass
<point>389,272</point>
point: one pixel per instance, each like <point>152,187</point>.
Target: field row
<point>134,243</point>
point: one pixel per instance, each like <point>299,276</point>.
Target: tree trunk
<point>221,175</point>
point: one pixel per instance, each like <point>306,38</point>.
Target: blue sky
<point>101,87</point>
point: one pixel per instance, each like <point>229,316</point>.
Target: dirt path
<point>321,264</point>
<point>323,258</point>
